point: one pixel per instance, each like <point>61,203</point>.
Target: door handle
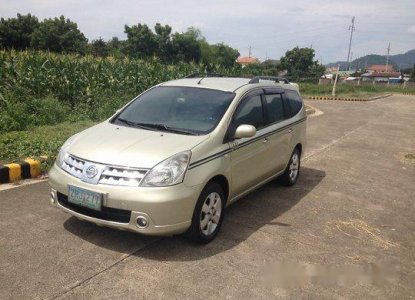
<point>265,141</point>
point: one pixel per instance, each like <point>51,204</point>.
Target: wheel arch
<point>223,182</point>
<point>299,146</point>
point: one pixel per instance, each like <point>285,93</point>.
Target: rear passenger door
<point>278,137</point>
<point>296,117</point>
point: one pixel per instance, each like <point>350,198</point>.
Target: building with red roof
<point>380,68</point>
<point>247,60</point>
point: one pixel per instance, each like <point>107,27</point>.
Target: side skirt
<point>253,188</point>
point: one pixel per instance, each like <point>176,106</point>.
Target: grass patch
<point>350,91</point>
<point>42,140</point>
<point>410,156</point>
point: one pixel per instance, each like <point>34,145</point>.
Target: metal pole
<point>352,29</point>
<point>387,57</point>
<point>333,92</point>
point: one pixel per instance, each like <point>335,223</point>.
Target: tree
<point>141,41</point>
<point>115,47</point>
<point>164,49</point>
<point>59,35</point>
<point>299,62</point>
<point>186,46</point>
<point>99,48</point>
<point>17,32</point>
<point>225,55</point>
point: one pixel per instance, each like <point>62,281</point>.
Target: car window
<point>250,113</point>
<point>189,109</point>
<point>295,101</point>
<point>275,108</point>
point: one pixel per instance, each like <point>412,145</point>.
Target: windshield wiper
<point>154,126</point>
<point>134,124</point>
<point>166,128</point>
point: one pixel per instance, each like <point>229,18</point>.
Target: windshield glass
<point>183,110</point>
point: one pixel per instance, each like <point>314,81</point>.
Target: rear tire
<point>208,214</point>
<point>291,173</point>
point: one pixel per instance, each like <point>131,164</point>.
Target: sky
<point>269,27</point>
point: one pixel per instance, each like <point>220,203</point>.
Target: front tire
<point>291,173</point>
<point>208,214</point>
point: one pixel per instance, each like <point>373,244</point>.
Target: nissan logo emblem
<point>91,171</point>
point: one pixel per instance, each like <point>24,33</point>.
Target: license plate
<point>89,199</point>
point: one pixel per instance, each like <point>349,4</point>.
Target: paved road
<point>345,231</point>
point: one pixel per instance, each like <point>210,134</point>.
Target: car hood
<point>132,147</point>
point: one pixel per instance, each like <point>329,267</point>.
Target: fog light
<point>52,198</point>
<point>141,222</point>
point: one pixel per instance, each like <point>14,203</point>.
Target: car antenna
<point>201,79</point>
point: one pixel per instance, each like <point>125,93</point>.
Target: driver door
<point>248,157</point>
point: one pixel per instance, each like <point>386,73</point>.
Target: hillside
<point>400,61</point>
<point>404,61</point>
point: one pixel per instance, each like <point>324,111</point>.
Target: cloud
<point>342,16</point>
<point>411,29</point>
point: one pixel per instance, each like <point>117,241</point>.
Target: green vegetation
<point>61,35</point>
<point>300,64</point>
<point>39,88</point>
<point>348,90</point>
<point>43,140</point>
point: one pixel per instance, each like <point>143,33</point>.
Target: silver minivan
<point>172,159</point>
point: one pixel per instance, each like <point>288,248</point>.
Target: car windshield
<point>183,110</point>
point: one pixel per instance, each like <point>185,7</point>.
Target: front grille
<point>122,176</point>
<point>106,213</point>
<point>73,165</point>
<point>111,175</point>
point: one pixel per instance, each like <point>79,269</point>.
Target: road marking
<point>333,142</point>
<point>123,258</point>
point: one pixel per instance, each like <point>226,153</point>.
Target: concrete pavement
<point>352,211</point>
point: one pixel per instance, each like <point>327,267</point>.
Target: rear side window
<point>250,113</point>
<point>295,102</point>
<point>275,108</point>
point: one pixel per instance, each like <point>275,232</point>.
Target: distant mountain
<point>371,59</point>
<point>400,61</point>
<point>404,61</point>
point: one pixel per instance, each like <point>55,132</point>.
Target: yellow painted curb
<point>15,172</point>
<point>28,168</point>
<point>35,170</point>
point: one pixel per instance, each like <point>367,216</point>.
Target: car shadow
<point>258,209</point>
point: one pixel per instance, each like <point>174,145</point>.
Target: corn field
<point>40,88</point>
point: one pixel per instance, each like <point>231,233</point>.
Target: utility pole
<point>387,57</point>
<point>249,51</point>
<point>352,29</point>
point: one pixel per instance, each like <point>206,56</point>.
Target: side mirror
<point>245,131</point>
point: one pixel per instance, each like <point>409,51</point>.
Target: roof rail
<point>256,79</point>
<point>204,75</point>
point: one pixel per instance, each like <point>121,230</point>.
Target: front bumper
<point>168,210</point>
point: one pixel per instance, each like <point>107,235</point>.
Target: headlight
<point>169,172</point>
<point>63,151</point>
